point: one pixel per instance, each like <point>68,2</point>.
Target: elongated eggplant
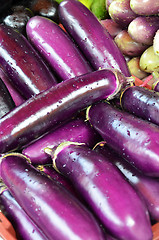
<point>75,130</point>
<point>24,67</point>
<point>132,137</point>
<point>142,7</point>
<point>6,101</point>
<point>143,28</point>
<point>121,13</point>
<point>53,209</point>
<point>147,187</point>
<point>128,46</point>
<point>105,189</point>
<point>57,48</point>
<point>16,96</point>
<point>25,227</point>
<point>45,111</point>
<point>93,40</point>
<point>142,102</point>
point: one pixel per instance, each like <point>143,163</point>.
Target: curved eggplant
<point>54,210</point>
<point>132,137</point>
<point>142,102</point>
<point>57,48</point>
<point>74,130</point>
<point>25,227</point>
<point>6,101</point>
<point>24,67</point>
<point>147,187</point>
<point>105,189</point>
<point>45,111</point>
<point>93,40</point>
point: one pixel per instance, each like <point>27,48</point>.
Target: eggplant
<point>24,67</point>
<point>147,187</point>
<point>6,101</point>
<point>54,210</point>
<point>45,8</point>
<point>143,28</point>
<point>18,18</point>
<point>73,130</point>
<point>90,36</point>
<point>132,137</point>
<point>57,48</point>
<point>142,7</point>
<point>121,13</point>
<point>112,27</point>
<point>128,46</point>
<point>16,96</point>
<point>142,102</point>
<point>155,43</point>
<point>134,68</point>
<point>149,61</point>
<point>45,111</point>
<point>104,188</point>
<point>25,227</point>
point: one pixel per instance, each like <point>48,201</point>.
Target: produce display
<point>79,120</point>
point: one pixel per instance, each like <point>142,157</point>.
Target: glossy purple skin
<point>16,96</point>
<point>24,226</point>
<point>24,67</point>
<point>143,28</point>
<point>106,191</point>
<point>147,187</point>
<point>142,102</point>
<point>54,210</point>
<point>121,13</point>
<point>6,101</point>
<point>37,116</point>
<point>93,40</point>
<point>132,137</point>
<point>75,131</point>
<point>57,48</point>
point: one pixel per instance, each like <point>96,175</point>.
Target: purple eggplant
<point>121,13</point>
<point>45,8</point>
<point>25,227</point>
<point>24,67</point>
<point>147,187</point>
<point>142,7</point>
<point>93,40</point>
<point>6,101</point>
<point>45,111</point>
<point>128,46</point>
<point>16,96</point>
<point>132,137</point>
<point>75,130</point>
<point>143,28</point>
<point>54,210</point>
<point>57,48</point>
<point>105,189</point>
<point>142,102</point>
<point>156,43</point>
<point>112,27</point>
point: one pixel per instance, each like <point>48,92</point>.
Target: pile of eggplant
<point>79,156</point>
